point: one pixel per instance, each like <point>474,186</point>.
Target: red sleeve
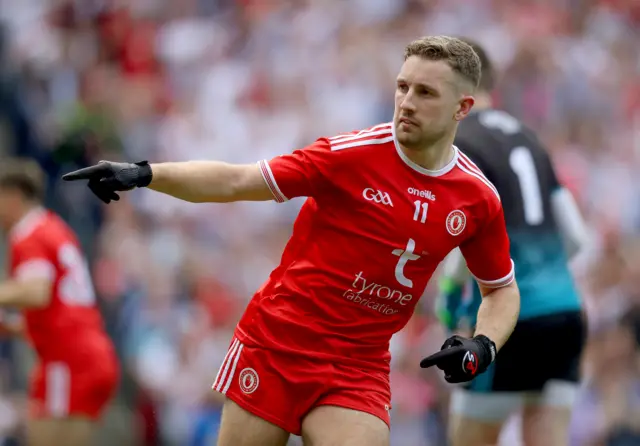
<point>303,173</point>
<point>487,251</point>
<point>32,260</point>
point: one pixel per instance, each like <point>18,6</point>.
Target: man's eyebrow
<point>419,84</point>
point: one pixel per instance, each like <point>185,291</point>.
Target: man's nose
<point>407,103</point>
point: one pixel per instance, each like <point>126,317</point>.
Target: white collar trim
<point>432,173</point>
<point>27,223</point>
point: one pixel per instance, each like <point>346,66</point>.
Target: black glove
<point>105,178</point>
<point>462,359</point>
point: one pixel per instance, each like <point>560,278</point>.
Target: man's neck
<point>434,157</point>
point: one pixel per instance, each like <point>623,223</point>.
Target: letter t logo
<point>405,256</point>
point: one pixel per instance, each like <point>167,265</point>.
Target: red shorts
<point>61,389</point>
<point>282,388</point>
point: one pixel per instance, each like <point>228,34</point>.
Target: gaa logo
<point>470,363</point>
<point>377,196</point>
<point>248,380</point>
<point>456,221</point>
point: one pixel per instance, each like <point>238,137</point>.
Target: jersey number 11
<point>422,216</point>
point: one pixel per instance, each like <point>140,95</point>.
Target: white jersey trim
<point>380,134</point>
<point>270,180</point>
<point>27,224</point>
<point>469,167</point>
<point>498,283</point>
<point>35,269</point>
<point>362,142</point>
<point>379,129</point>
<point>432,173</point>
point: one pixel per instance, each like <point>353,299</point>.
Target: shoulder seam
<point>470,168</point>
<point>378,134</point>
<point>360,132</point>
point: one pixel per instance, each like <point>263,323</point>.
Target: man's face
<point>428,102</point>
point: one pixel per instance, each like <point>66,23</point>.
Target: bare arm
<point>210,181</point>
<point>498,313</point>
<point>26,293</point>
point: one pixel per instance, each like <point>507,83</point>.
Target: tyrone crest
<point>456,222</point>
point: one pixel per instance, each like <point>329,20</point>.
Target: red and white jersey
<point>42,245</point>
<point>366,242</point>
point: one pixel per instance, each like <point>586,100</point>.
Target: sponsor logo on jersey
<point>377,196</point>
<point>405,256</point>
<point>456,221</point>
<point>377,297</point>
<point>422,193</point>
<point>248,380</point>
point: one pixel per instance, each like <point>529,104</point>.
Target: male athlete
<point>77,371</point>
<point>385,205</point>
<point>544,225</point>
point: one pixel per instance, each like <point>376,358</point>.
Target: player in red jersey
<point>385,205</point>
<point>77,370</point>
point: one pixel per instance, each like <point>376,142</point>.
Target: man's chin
<point>407,139</point>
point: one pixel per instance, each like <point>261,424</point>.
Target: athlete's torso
<point>513,159</point>
<point>363,249</point>
<point>70,325</point>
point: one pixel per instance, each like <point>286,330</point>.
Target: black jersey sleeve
<point>554,182</point>
<point>477,155</point>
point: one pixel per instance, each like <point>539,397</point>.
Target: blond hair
<point>459,55</point>
<point>24,175</point>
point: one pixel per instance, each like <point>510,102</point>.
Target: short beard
<point>424,142</point>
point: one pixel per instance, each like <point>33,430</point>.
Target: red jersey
<point>366,242</point>
<point>42,245</point>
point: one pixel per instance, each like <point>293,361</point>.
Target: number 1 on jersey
<point>417,214</point>
<point>524,166</point>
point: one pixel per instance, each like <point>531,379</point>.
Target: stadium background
<point>241,80</point>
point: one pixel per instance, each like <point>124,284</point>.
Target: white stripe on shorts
<point>228,368</point>
<point>58,389</point>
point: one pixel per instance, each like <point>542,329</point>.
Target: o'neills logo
<point>422,193</point>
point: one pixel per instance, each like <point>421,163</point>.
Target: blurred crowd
<point>242,80</point>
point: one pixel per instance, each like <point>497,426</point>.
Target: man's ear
<point>464,107</point>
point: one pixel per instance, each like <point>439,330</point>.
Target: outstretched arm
<point>34,292</point>
<point>303,173</point>
<point>210,181</point>
<point>32,281</point>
